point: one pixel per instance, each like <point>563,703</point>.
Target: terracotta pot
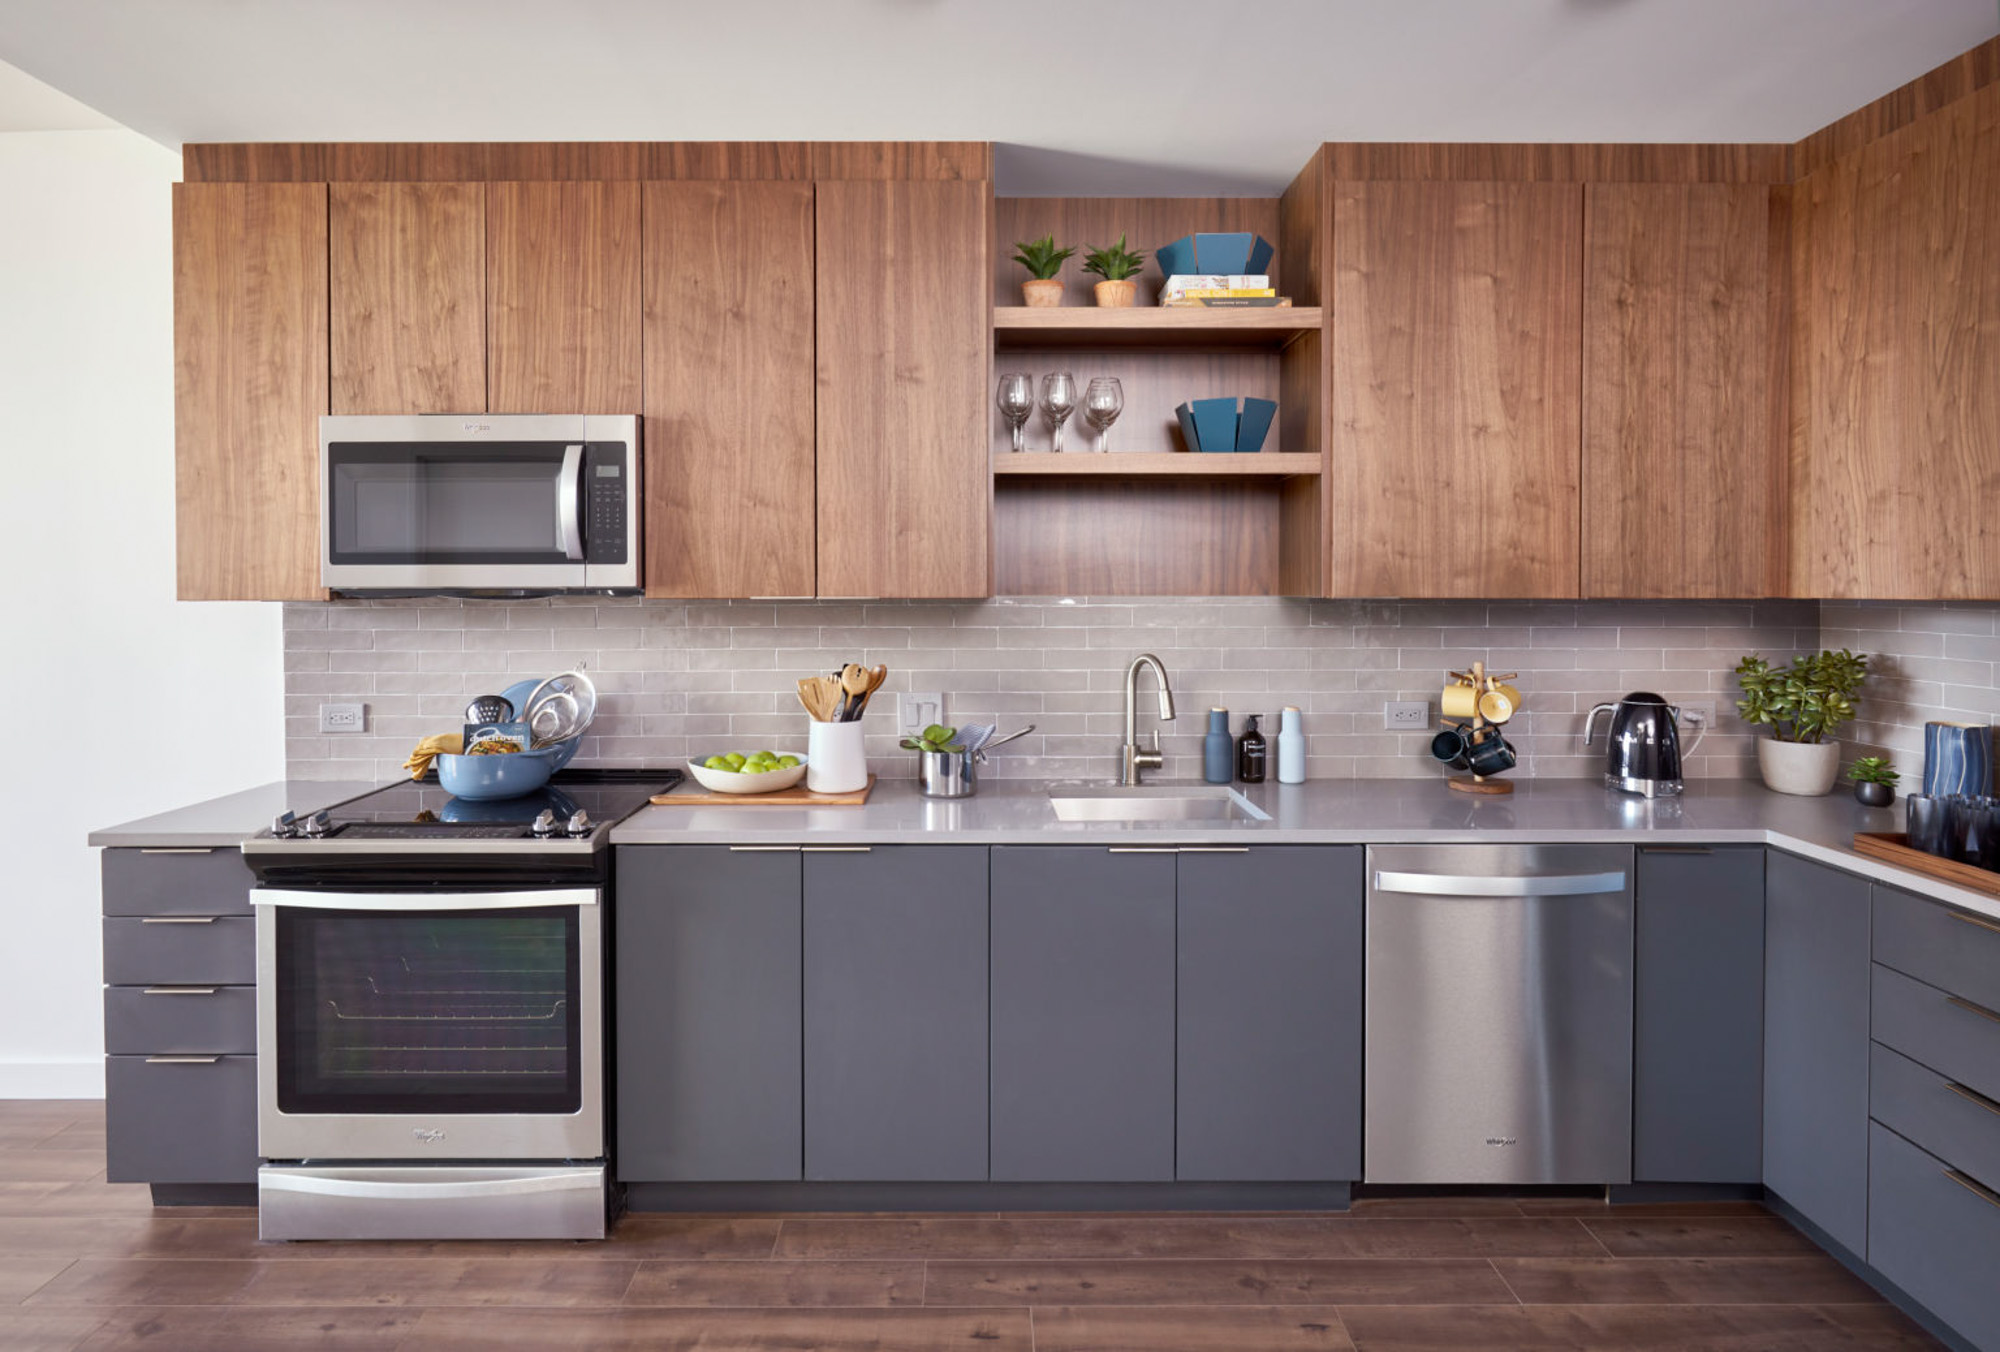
<point>1116,295</point>
<point>1042,293</point>
<point>1804,768</point>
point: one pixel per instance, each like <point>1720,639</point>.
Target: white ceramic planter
<point>1804,768</point>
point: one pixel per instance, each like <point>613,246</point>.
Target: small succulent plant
<point>1116,263</point>
<point>1041,257</point>
<point>937,738</point>
<point>1872,770</point>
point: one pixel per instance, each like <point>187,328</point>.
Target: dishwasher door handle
<point>1456,885</point>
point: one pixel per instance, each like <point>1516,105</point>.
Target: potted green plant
<point>1802,704</point>
<point>1043,260</point>
<point>1874,781</point>
<point>1117,265</point>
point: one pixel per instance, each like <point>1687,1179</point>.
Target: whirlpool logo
<point>1503,1141</point>
<point>428,1135</point>
<point>476,427</point>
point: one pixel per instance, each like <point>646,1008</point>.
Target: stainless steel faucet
<point>1135,759</point>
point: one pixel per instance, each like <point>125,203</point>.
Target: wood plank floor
<point>89,1264</point>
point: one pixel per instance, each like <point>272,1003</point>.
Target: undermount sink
<point>1158,803</point>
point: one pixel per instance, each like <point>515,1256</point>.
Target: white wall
<point>102,667</point>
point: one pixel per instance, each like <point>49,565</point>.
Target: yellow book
<point>1214,292</point>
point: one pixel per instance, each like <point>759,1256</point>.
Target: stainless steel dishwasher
<point>1499,1014</point>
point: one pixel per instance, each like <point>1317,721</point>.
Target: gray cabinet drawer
<point>1945,1032</point>
<point>180,1121</point>
<point>176,882</point>
<point>1955,951</point>
<point>1936,1113</point>
<point>142,952</point>
<point>148,1020</point>
<point>1934,1236</point>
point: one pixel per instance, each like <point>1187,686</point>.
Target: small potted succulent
<point>1874,781</point>
<point>1801,704</point>
<point>1118,266</point>
<point>1044,261</point>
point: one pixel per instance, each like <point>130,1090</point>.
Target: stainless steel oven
<point>480,504</point>
<point>410,1043</point>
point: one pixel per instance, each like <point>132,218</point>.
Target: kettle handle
<point>1590,720</point>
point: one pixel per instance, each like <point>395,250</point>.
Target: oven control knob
<point>544,824</point>
<point>319,824</point>
<point>579,824</point>
<point>285,826</point>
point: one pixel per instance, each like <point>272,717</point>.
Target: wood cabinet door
<point>407,295</point>
<point>1896,343</point>
<point>1683,453</point>
<point>1457,345</point>
<point>250,384</point>
<point>728,288</point>
<point>903,323</point>
<point>562,297</point>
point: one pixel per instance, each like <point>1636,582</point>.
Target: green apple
<point>715,763</point>
<point>788,762</point>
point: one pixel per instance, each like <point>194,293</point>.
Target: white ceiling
<point>26,104</point>
<point>1086,96</point>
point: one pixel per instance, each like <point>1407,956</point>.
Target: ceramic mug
<point>1498,704</point>
<point>1491,755</point>
<point>1451,746</point>
<point>1459,701</point>
<point>1928,820</point>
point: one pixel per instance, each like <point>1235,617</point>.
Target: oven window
<point>439,504</point>
<point>454,1012</point>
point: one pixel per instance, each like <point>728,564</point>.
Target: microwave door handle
<point>569,510</point>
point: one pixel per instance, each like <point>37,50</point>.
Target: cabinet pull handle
<point>1974,920</point>
<point>1974,1186</point>
<point>1213,849</point>
<point>182,1060</point>
<point>763,849</point>
<point>1675,849</point>
<point>180,990</point>
<point>177,919</point>
<point>1973,1096</point>
<point>177,849</point>
<point>1140,849</point>
<point>835,849</point>
<point>1981,1010</point>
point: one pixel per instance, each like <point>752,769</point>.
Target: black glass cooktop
<point>421,809</point>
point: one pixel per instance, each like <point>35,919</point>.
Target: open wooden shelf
<point>1147,464</point>
<point>1019,326</point>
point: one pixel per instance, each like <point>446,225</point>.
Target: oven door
<point>423,1026</point>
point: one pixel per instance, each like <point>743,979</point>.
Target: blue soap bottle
<point>1216,748</point>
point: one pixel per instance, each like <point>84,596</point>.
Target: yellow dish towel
<point>428,750</point>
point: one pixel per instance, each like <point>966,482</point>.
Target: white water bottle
<point>1291,747</point>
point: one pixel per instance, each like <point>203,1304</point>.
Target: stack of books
<point>1221,289</point>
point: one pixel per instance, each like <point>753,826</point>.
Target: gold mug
<point>1499,704</point>
<point>1460,702</point>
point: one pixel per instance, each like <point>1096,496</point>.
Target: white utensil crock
<point>835,759</point>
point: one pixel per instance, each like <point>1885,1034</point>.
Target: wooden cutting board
<point>691,794</point>
<point>1892,847</point>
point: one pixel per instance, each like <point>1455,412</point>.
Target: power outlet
<point>917,710</point>
<point>1698,714</point>
<point>343,718</point>
<point>1407,715</point>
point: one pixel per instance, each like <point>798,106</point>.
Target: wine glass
<point>1016,400</point>
<point>1058,402</point>
<point>1103,401</point>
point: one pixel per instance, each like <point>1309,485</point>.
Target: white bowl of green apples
<point>748,771</point>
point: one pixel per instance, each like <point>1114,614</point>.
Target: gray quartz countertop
<point>1342,811</point>
<point>232,818</point>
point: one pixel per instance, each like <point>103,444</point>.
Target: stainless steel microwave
<point>493,504</point>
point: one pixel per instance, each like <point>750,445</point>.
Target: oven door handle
<point>569,503</point>
<point>424,901</point>
<point>273,1180</point>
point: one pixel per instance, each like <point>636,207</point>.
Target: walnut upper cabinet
<point>728,295</point>
<point>1683,463</point>
<point>1457,349</point>
<point>562,293</point>
<point>250,384</point>
<point>902,286</point>
<point>1895,350</point>
<point>407,296</point>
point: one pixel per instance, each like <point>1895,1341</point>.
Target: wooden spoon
<point>854,683</point>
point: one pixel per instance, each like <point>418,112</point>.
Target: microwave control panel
<point>607,481</point>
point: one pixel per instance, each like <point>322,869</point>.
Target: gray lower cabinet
<point>1082,1014</point>
<point>1269,1013</point>
<point>895,1013</point>
<point>1816,980</point>
<point>180,1119</point>
<point>707,1006</point>
<point>1698,1016</point>
<point>1934,1231</point>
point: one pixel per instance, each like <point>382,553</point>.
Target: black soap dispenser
<point>1250,753</point>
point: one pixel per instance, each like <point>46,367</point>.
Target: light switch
<point>917,710</point>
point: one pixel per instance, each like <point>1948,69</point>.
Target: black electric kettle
<point>1642,752</point>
